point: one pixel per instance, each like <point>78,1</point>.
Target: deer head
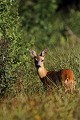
<point>38,59</point>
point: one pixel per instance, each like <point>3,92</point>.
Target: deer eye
<point>42,60</point>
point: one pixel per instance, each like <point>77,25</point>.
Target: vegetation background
<point>38,24</point>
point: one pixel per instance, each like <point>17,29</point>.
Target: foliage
<point>12,45</point>
<point>36,24</point>
<point>40,21</point>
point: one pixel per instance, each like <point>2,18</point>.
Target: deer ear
<point>43,53</point>
<point>33,53</point>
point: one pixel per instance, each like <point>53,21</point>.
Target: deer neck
<point>42,72</point>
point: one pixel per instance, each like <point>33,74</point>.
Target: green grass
<point>29,101</point>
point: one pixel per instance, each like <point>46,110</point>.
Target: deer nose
<point>39,63</point>
<point>38,66</point>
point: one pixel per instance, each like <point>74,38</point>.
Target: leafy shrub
<point>13,49</point>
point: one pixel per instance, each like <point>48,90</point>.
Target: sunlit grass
<point>29,101</point>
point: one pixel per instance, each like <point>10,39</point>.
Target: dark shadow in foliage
<point>66,5</point>
<point>3,56</point>
<point>3,82</point>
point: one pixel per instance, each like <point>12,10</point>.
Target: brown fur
<point>64,77</point>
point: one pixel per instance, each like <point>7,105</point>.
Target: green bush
<point>13,49</point>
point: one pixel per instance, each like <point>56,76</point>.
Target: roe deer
<point>64,76</point>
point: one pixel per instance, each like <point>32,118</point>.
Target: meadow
<point>29,101</point>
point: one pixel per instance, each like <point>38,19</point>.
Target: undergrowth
<point>28,100</point>
<point>36,25</point>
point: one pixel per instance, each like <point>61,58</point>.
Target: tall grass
<point>29,101</point>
